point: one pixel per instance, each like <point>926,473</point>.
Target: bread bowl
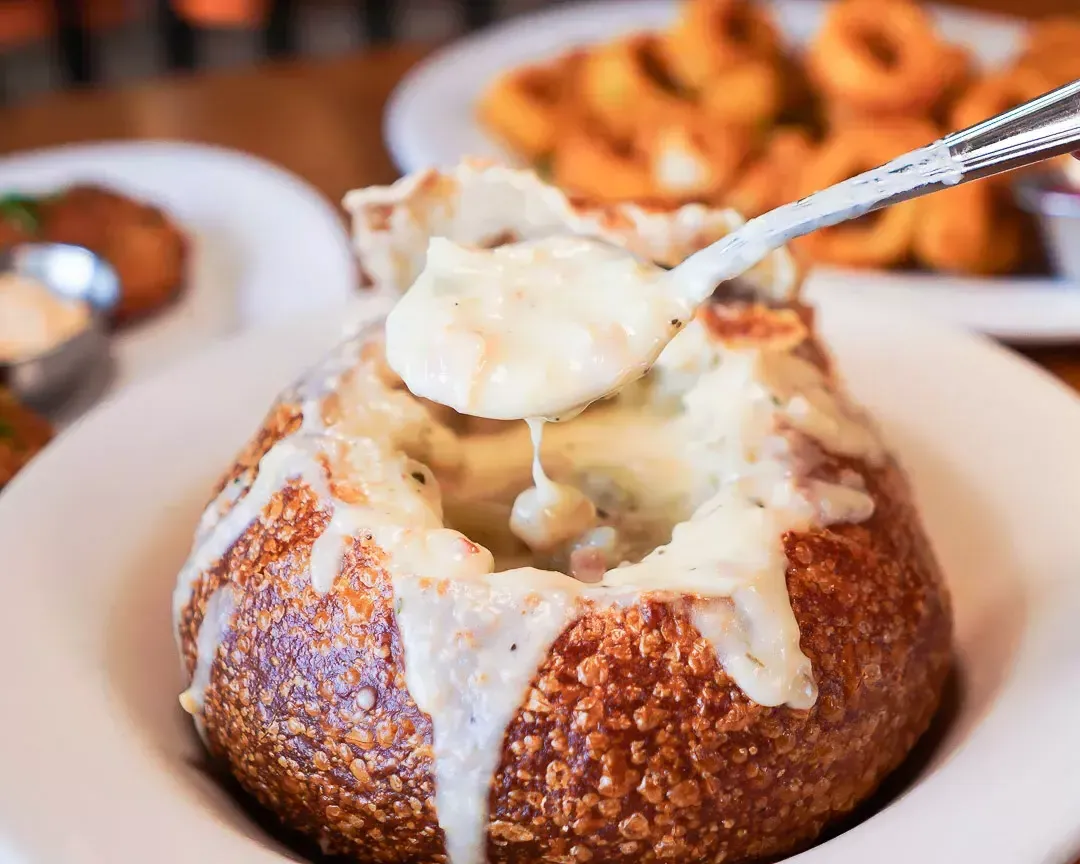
<point>357,665</point>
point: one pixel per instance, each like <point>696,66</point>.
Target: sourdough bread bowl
<point>381,663</point>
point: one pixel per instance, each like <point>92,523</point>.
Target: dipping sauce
<point>34,320</point>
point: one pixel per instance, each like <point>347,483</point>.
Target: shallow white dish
<point>431,121</point>
<point>264,244</point>
<point>93,532</point>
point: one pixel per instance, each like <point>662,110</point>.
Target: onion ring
<point>693,158</point>
<point>1053,48</point>
<point>523,107</point>
<point>713,35</point>
<point>974,229</point>
<point>589,162</point>
<point>881,239</point>
<point>998,92</point>
<point>750,94</point>
<point>624,79</point>
<point>880,59</point>
<point>769,180</point>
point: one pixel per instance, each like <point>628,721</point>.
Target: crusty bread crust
<point>632,744</point>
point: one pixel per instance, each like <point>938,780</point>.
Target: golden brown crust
<point>663,757</point>
<point>756,324</point>
<point>285,708</point>
<point>284,419</point>
<point>632,744</point>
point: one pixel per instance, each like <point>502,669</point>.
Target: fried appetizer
<point>975,229</point>
<point>881,59</point>
<point>147,250</point>
<point>711,36</point>
<point>23,434</point>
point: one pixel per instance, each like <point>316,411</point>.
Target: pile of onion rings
<point>713,36</point>
<point>1053,48</point>
<point>873,60</point>
<point>718,109</point>
<point>973,229</point>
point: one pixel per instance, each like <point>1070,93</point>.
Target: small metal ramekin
<point>73,273</point>
<point>1054,197</point>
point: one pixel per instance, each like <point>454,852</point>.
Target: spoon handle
<point>1043,128</point>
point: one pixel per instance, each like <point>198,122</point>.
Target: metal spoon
<point>1043,128</point>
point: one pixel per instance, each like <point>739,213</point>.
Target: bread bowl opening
<point>627,455</point>
<point>645,459</point>
<point>632,456</point>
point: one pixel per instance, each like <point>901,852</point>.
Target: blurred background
<point>47,45</point>
<point>51,44</point>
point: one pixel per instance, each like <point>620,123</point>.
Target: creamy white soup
<point>533,329</point>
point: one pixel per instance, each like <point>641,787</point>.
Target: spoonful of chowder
<point>534,329</point>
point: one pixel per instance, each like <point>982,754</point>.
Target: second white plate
<point>431,121</point>
<point>264,244</point>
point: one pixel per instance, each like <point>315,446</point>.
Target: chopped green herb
<point>6,429</point>
<point>399,604</point>
<point>21,210</point>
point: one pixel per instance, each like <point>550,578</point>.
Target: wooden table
<point>320,119</point>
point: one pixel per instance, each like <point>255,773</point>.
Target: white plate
<point>96,752</point>
<point>265,245</point>
<point>431,121</point>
